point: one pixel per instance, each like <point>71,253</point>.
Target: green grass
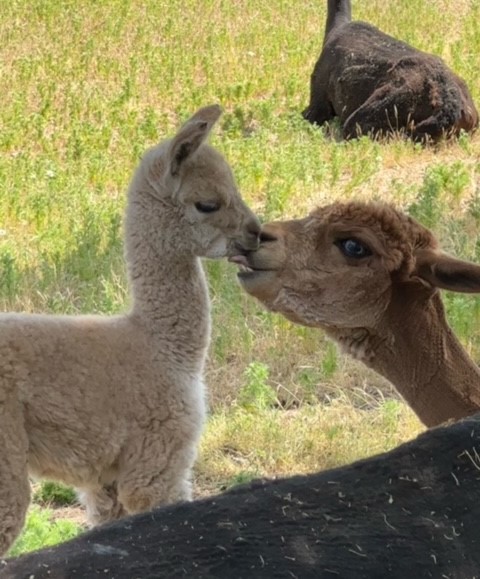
<point>87,86</point>
<point>42,529</point>
<point>51,493</point>
<point>241,442</point>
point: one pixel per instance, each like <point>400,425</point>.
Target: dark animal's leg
<point>318,112</point>
<point>431,129</point>
<point>386,111</point>
<point>14,483</point>
<point>320,109</point>
<point>397,108</point>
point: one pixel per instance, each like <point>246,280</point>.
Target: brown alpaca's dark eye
<point>353,248</point>
<point>207,206</point>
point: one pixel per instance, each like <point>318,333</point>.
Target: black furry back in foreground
<point>412,512</point>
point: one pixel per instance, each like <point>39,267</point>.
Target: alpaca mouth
<point>246,269</point>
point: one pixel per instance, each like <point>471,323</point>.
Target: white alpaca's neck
<point>168,286</point>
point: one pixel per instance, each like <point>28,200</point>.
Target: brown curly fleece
<point>369,276</point>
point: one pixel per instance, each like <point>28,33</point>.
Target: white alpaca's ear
<point>446,272</point>
<point>192,134</point>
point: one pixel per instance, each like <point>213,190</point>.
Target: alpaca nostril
<point>250,236</point>
<point>265,237</point>
<point>253,228</point>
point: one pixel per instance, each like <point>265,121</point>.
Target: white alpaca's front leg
<point>157,470</point>
<point>14,483</point>
<point>101,504</point>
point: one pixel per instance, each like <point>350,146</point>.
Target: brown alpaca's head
<point>339,267</point>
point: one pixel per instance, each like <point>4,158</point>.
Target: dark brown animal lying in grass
<point>412,512</point>
<point>378,85</point>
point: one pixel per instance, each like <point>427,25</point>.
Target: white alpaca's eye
<point>207,206</point>
<point>353,248</point>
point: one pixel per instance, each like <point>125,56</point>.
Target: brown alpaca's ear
<point>192,134</point>
<point>445,272</point>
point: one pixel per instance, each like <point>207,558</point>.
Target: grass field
<point>87,86</point>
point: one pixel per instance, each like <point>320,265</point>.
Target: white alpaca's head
<point>195,188</point>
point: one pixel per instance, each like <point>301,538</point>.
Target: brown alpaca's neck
<point>416,350</point>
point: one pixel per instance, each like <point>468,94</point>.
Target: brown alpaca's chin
<point>258,283</point>
<point>253,279</point>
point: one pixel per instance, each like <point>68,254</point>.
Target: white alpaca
<point>115,405</point>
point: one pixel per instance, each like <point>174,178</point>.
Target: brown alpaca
<point>369,276</point>
<point>376,84</point>
<point>114,406</point>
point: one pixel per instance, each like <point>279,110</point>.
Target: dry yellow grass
<point>242,444</point>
